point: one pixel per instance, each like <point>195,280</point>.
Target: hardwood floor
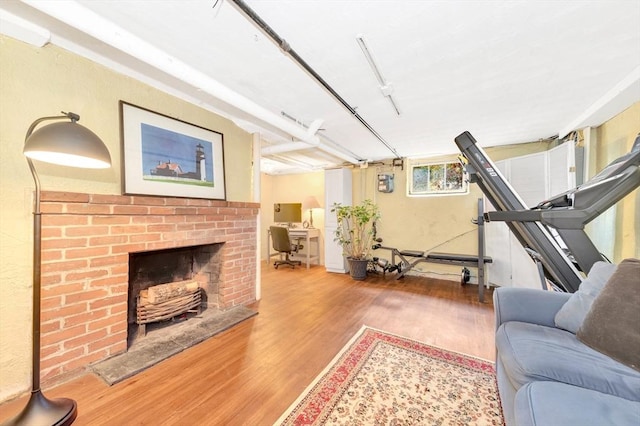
<point>251,373</point>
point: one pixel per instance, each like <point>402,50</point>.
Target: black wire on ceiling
<point>286,48</point>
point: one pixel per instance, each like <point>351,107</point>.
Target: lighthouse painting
<point>175,158</point>
<point>165,156</point>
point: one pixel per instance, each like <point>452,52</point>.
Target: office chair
<point>282,244</point>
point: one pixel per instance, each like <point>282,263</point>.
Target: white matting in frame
<point>168,157</point>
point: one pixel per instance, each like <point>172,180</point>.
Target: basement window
<point>428,179</point>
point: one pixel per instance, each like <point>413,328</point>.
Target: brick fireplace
<point>199,264</point>
<point>87,242</point>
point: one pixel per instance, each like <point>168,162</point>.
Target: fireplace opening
<point>196,267</point>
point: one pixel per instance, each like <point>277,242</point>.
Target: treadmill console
<point>601,185</point>
<point>596,187</point>
<point>562,200</point>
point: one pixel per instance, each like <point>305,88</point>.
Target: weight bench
<point>450,258</point>
<point>442,258</point>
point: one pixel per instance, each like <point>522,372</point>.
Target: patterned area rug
<point>383,379</point>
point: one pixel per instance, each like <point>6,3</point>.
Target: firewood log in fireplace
<point>165,301</point>
<point>160,293</point>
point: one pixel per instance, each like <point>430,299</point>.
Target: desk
<point>307,236</point>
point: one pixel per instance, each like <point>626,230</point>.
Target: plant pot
<point>358,268</point>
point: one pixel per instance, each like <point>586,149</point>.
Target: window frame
<point>434,193</point>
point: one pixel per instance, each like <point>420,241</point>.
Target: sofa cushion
<point>552,403</point>
<point>612,326</point>
<point>572,313</point>
<point>532,352</point>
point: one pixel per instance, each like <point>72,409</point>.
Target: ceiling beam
<point>620,97</point>
<point>23,30</point>
<point>88,22</point>
<point>244,8</point>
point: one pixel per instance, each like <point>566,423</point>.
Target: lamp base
<point>42,411</point>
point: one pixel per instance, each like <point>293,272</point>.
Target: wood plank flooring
<point>251,373</point>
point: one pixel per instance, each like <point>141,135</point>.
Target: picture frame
<point>164,156</point>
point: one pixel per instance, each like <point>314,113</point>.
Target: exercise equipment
<point>465,276</point>
<point>411,258</point>
<point>564,255</point>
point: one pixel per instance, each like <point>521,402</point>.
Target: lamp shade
<point>310,202</point>
<point>69,144</point>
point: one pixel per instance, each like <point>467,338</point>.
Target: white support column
<point>256,199</point>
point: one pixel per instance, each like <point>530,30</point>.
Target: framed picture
<point>169,157</point>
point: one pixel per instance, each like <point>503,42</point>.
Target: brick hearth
<point>86,243</point>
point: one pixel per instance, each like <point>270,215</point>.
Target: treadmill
<point>570,251</point>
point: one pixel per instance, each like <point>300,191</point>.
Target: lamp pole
<point>60,142</point>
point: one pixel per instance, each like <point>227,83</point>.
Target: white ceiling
<point>507,71</point>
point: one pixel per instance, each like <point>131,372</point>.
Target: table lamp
<point>70,144</point>
<point>310,203</point>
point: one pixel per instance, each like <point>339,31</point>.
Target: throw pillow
<point>612,325</point>
<point>572,313</point>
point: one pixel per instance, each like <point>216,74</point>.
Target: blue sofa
<point>547,376</point>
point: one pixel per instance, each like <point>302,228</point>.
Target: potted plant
<point>355,232</point>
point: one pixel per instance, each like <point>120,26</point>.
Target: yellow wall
<point>436,223</point>
<point>407,223</point>
<point>444,223</point>
<point>615,138</point>
<point>37,82</point>
<point>291,189</point>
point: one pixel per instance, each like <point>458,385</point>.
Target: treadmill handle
<point>514,216</point>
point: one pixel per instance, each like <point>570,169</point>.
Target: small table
<point>308,235</point>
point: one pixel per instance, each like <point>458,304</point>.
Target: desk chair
<point>282,244</point>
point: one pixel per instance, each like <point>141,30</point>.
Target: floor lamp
<point>70,144</point>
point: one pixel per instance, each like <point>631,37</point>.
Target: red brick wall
<point>86,241</point>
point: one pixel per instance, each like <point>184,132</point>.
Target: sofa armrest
<point>527,305</point>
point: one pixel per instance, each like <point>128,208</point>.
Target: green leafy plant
<point>355,228</point>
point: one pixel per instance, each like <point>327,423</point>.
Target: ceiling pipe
<point>293,162</point>
<point>336,145</point>
<point>339,154</point>
<point>298,146</point>
<point>334,148</point>
<point>286,48</point>
<point>315,126</point>
<point>85,20</point>
<point>284,147</point>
